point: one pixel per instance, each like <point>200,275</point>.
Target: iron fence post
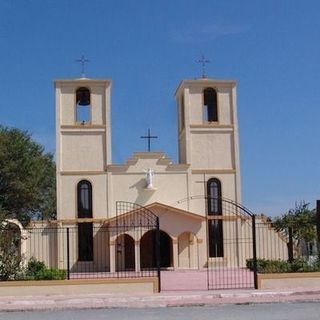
<point>254,252</point>
<point>318,227</point>
<point>158,254</point>
<point>290,245</point>
<point>68,254</point>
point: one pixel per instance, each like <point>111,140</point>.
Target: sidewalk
<point>163,299</point>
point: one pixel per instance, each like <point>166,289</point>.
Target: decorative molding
<point>79,220</point>
<point>86,126</point>
<point>82,81</point>
<point>81,173</point>
<point>211,125</point>
<point>205,83</point>
<point>213,171</point>
<point>228,218</point>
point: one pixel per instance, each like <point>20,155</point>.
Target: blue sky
<point>146,47</point>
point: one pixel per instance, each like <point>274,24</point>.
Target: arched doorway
<point>187,250</point>
<point>148,250</point>
<point>125,253</point>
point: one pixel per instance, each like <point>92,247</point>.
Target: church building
<point>186,197</point>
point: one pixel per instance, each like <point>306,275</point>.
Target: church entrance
<point>125,253</point>
<point>148,250</point>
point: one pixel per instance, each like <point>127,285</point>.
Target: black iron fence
<point>127,246</point>
<point>104,252</point>
<point>249,244</point>
<point>239,245</point>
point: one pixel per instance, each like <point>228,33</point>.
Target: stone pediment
<point>157,208</point>
<point>139,161</point>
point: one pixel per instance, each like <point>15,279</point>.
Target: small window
<point>210,104</point>
<point>214,201</point>
<point>83,107</point>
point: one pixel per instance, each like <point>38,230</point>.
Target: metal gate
<point>231,246</point>
<point>140,226</point>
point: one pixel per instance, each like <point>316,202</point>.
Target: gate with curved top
<point>230,243</point>
<point>231,238</point>
<point>136,234</point>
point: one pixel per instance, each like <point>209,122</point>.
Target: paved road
<point>274,311</point>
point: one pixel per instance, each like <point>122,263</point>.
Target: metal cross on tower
<point>83,60</point>
<point>203,62</point>
<point>149,137</point>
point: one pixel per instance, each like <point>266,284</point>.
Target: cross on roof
<point>149,137</point>
<point>203,62</point>
<point>83,60</point>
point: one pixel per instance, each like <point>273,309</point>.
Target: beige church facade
<point>113,211</point>
<point>208,162</point>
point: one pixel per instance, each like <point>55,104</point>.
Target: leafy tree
<point>27,178</point>
<point>301,219</point>
<point>10,258</point>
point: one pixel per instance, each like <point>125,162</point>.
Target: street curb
<point>167,300</point>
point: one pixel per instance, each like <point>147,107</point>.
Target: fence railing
<point>90,251</point>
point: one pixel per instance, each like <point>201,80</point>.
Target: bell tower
<point>208,131</point>
<point>83,138</point>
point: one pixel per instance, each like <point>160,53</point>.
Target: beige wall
<point>101,286</point>
<point>82,152</point>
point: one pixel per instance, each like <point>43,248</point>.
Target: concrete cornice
<point>205,82</point>
<point>213,171</point>
<point>80,173</point>
<point>83,126</point>
<point>82,81</point>
<point>212,125</point>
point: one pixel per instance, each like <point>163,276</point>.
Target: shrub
<point>281,266</point>
<point>37,270</point>
<point>269,266</point>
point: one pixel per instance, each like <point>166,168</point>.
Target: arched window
<point>214,197</point>
<point>85,229</point>
<point>182,114</point>
<point>83,110</point>
<point>210,104</point>
<point>84,199</point>
<point>215,228</point>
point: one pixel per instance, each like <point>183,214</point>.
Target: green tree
<point>301,219</point>
<point>27,178</point>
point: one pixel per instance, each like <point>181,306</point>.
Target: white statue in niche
<point>149,178</point>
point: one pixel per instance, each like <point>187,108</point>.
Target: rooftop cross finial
<point>149,137</point>
<point>203,62</point>
<point>83,60</point>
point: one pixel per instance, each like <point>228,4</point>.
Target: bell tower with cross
<point>83,139</point>
<point>208,131</point>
